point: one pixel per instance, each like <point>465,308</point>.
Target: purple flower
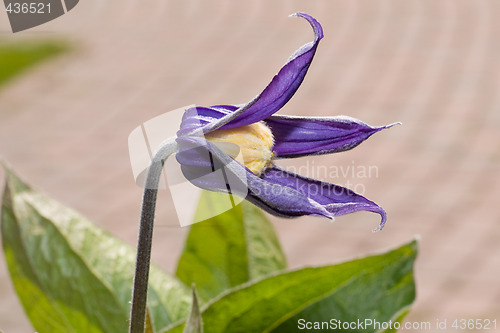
<point>231,149</point>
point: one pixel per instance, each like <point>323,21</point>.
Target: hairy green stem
<point>140,289</point>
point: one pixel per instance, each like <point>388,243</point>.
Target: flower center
<point>254,142</point>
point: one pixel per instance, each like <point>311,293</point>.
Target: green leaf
<point>149,323</point>
<point>194,323</point>
<point>70,275</point>
<point>228,249</point>
<point>17,57</point>
<point>378,287</point>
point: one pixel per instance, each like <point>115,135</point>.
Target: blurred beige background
<point>433,65</point>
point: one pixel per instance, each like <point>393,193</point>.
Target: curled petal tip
<point>300,14</point>
<point>382,222</point>
<point>393,124</point>
<point>318,30</point>
<point>389,126</point>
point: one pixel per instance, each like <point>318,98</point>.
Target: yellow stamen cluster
<point>254,142</point>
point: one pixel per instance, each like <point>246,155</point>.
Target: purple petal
<point>281,200</point>
<point>207,167</point>
<point>198,117</point>
<point>281,88</point>
<point>300,136</point>
<point>337,200</point>
<point>279,192</point>
<point>284,84</point>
